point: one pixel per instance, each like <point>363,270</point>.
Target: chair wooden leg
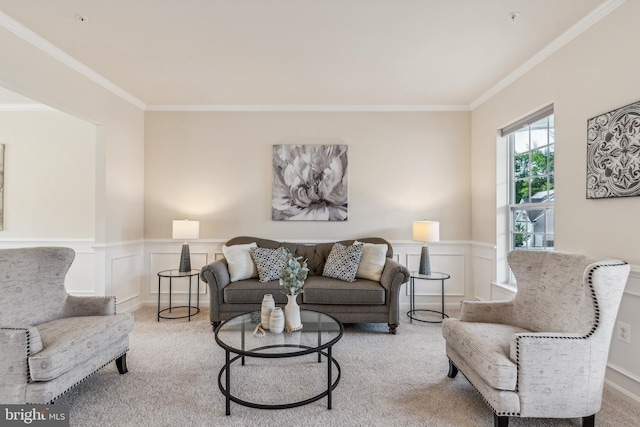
<point>589,421</point>
<point>453,370</point>
<point>392,328</point>
<point>121,363</point>
<point>214,325</point>
<point>500,421</point>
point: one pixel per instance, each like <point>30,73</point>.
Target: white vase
<point>265,312</point>
<point>292,314</point>
<point>276,320</point>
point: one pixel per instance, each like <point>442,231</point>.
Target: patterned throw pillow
<point>241,266</point>
<point>269,262</point>
<point>374,256</point>
<point>343,261</point>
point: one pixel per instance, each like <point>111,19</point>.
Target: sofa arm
<point>550,365</point>
<point>216,274</point>
<point>487,311</point>
<point>16,345</point>
<point>89,306</point>
<point>394,275</point>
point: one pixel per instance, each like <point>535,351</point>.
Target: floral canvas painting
<point>613,153</point>
<point>310,183</point>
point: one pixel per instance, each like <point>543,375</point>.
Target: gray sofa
<point>360,301</point>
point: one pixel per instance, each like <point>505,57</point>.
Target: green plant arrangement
<point>293,274</point>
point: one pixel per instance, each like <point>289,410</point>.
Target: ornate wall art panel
<point>613,153</point>
<point>309,183</point>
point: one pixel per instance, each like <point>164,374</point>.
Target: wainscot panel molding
<point>98,269</point>
<point>623,372</point>
<point>449,257</point>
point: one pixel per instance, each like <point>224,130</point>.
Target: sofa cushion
<point>374,256</point>
<point>70,341</point>
<point>268,262</point>
<point>239,261</point>
<point>251,291</point>
<point>485,347</point>
<point>325,290</point>
<point>343,261</point>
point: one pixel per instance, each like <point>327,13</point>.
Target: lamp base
<point>185,259</point>
<point>425,263</point>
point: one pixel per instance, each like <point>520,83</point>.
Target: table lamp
<point>426,231</point>
<point>183,230</point>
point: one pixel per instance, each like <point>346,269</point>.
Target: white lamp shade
<point>184,229</point>
<point>426,231</point>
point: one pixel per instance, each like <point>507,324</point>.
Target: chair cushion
<point>485,347</point>
<point>324,290</point>
<point>251,291</point>
<point>70,341</point>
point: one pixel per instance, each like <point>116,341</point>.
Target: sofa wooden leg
<point>214,325</point>
<point>589,421</point>
<point>500,421</point>
<point>392,328</point>
<point>121,363</point>
<point>453,370</point>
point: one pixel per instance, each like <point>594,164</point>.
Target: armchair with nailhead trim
<point>49,340</point>
<point>544,353</point>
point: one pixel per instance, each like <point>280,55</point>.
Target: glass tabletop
<point>432,276</point>
<point>318,331</point>
<point>178,273</point>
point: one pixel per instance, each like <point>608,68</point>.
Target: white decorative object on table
<point>292,277</point>
<point>292,314</point>
<point>265,312</point>
<point>276,320</point>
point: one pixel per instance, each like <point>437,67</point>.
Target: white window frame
<point>507,233</point>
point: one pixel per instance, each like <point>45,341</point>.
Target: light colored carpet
<point>386,380</point>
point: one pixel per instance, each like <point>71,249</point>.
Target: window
<point>531,181</point>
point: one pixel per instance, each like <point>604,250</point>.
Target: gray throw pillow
<point>343,261</point>
<point>269,262</point>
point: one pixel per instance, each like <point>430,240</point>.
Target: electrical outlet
<point>623,332</point>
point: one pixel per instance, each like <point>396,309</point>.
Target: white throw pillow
<point>373,259</point>
<point>241,265</point>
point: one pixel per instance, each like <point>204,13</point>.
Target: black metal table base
<point>411,313</point>
<point>192,312</point>
<point>412,298</point>
<point>226,388</point>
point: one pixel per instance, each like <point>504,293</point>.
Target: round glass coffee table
<point>318,335</point>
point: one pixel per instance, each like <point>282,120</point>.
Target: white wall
<point>49,175</point>
<point>119,163</point>
<point>593,74</point>
<point>217,168</point>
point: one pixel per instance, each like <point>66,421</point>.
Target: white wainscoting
<point>98,269</point>
<point>447,257</point>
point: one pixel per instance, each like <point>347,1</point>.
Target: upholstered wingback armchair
<point>49,340</point>
<point>544,353</point>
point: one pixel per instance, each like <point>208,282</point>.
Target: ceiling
<point>173,54</point>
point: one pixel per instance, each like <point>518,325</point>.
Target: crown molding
<point>26,107</point>
<point>30,37</point>
<point>581,26</point>
<point>310,108</point>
